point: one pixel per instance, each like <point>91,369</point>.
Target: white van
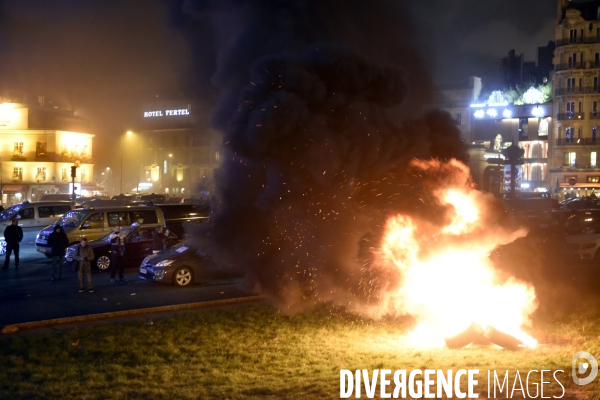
<point>36,214</point>
<point>32,215</point>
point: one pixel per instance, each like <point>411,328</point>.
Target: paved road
<point>27,294</point>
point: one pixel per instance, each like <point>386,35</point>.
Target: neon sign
<point>166,113</point>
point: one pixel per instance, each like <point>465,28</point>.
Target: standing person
<point>159,239</point>
<point>13,234</point>
<point>117,254</point>
<point>84,256</point>
<point>58,242</point>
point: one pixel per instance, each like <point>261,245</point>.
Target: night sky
<point>103,58</point>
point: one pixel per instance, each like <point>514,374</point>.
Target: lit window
<point>571,159</point>
<point>543,127</point>
<point>40,176</point>
<point>18,149</point>
<point>64,175</point>
<point>569,135</point>
<point>40,149</point>
<point>17,174</point>
<point>593,159</point>
<point>165,166</point>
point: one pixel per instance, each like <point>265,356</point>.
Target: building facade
<point>176,152</point>
<point>38,146</point>
<point>574,169</point>
<point>490,125</point>
<point>496,126</point>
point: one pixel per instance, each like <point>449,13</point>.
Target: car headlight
<point>165,263</point>
<point>588,245</point>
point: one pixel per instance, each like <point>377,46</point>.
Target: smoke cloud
<point>313,167</point>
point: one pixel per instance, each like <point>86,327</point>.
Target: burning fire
<point>448,281</point>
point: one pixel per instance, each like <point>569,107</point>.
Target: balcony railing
<point>576,90</point>
<point>568,41</point>
<point>577,141</point>
<point>594,115</point>
<point>584,40</point>
<point>577,65</point>
<point>570,115</point>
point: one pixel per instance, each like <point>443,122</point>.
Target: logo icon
<point>582,367</point>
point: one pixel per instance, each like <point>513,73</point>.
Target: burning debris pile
<point>446,279</point>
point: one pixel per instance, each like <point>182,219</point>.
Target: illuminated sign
<point>166,113</point>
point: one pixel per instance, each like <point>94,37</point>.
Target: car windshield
<point>10,212</point>
<point>73,218</point>
<point>124,231</point>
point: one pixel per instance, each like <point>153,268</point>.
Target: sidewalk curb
<point>13,328</point>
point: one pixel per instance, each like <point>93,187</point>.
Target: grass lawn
<point>255,352</point>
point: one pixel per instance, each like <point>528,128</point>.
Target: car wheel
<point>103,263</point>
<point>183,276</point>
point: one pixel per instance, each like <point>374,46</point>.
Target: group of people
<point>58,241</point>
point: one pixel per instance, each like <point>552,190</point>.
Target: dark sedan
<point>182,265</point>
<point>138,244</point>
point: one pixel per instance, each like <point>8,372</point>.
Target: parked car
<point>57,197</point>
<point>182,265</point>
<point>177,216</point>
<point>95,223</point>
<point>583,246</point>
<point>138,245</point>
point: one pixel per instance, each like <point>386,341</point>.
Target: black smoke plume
<point>313,165</point>
<point>314,159</point>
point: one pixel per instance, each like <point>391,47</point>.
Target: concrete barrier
<point>116,314</point>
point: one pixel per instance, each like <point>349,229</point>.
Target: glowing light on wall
<point>477,105</point>
<point>13,116</point>
<point>155,173</point>
<point>492,112</point>
<point>479,114</point>
<point>507,113</point>
<point>537,111</point>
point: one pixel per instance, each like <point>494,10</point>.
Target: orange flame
<point>447,279</point>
